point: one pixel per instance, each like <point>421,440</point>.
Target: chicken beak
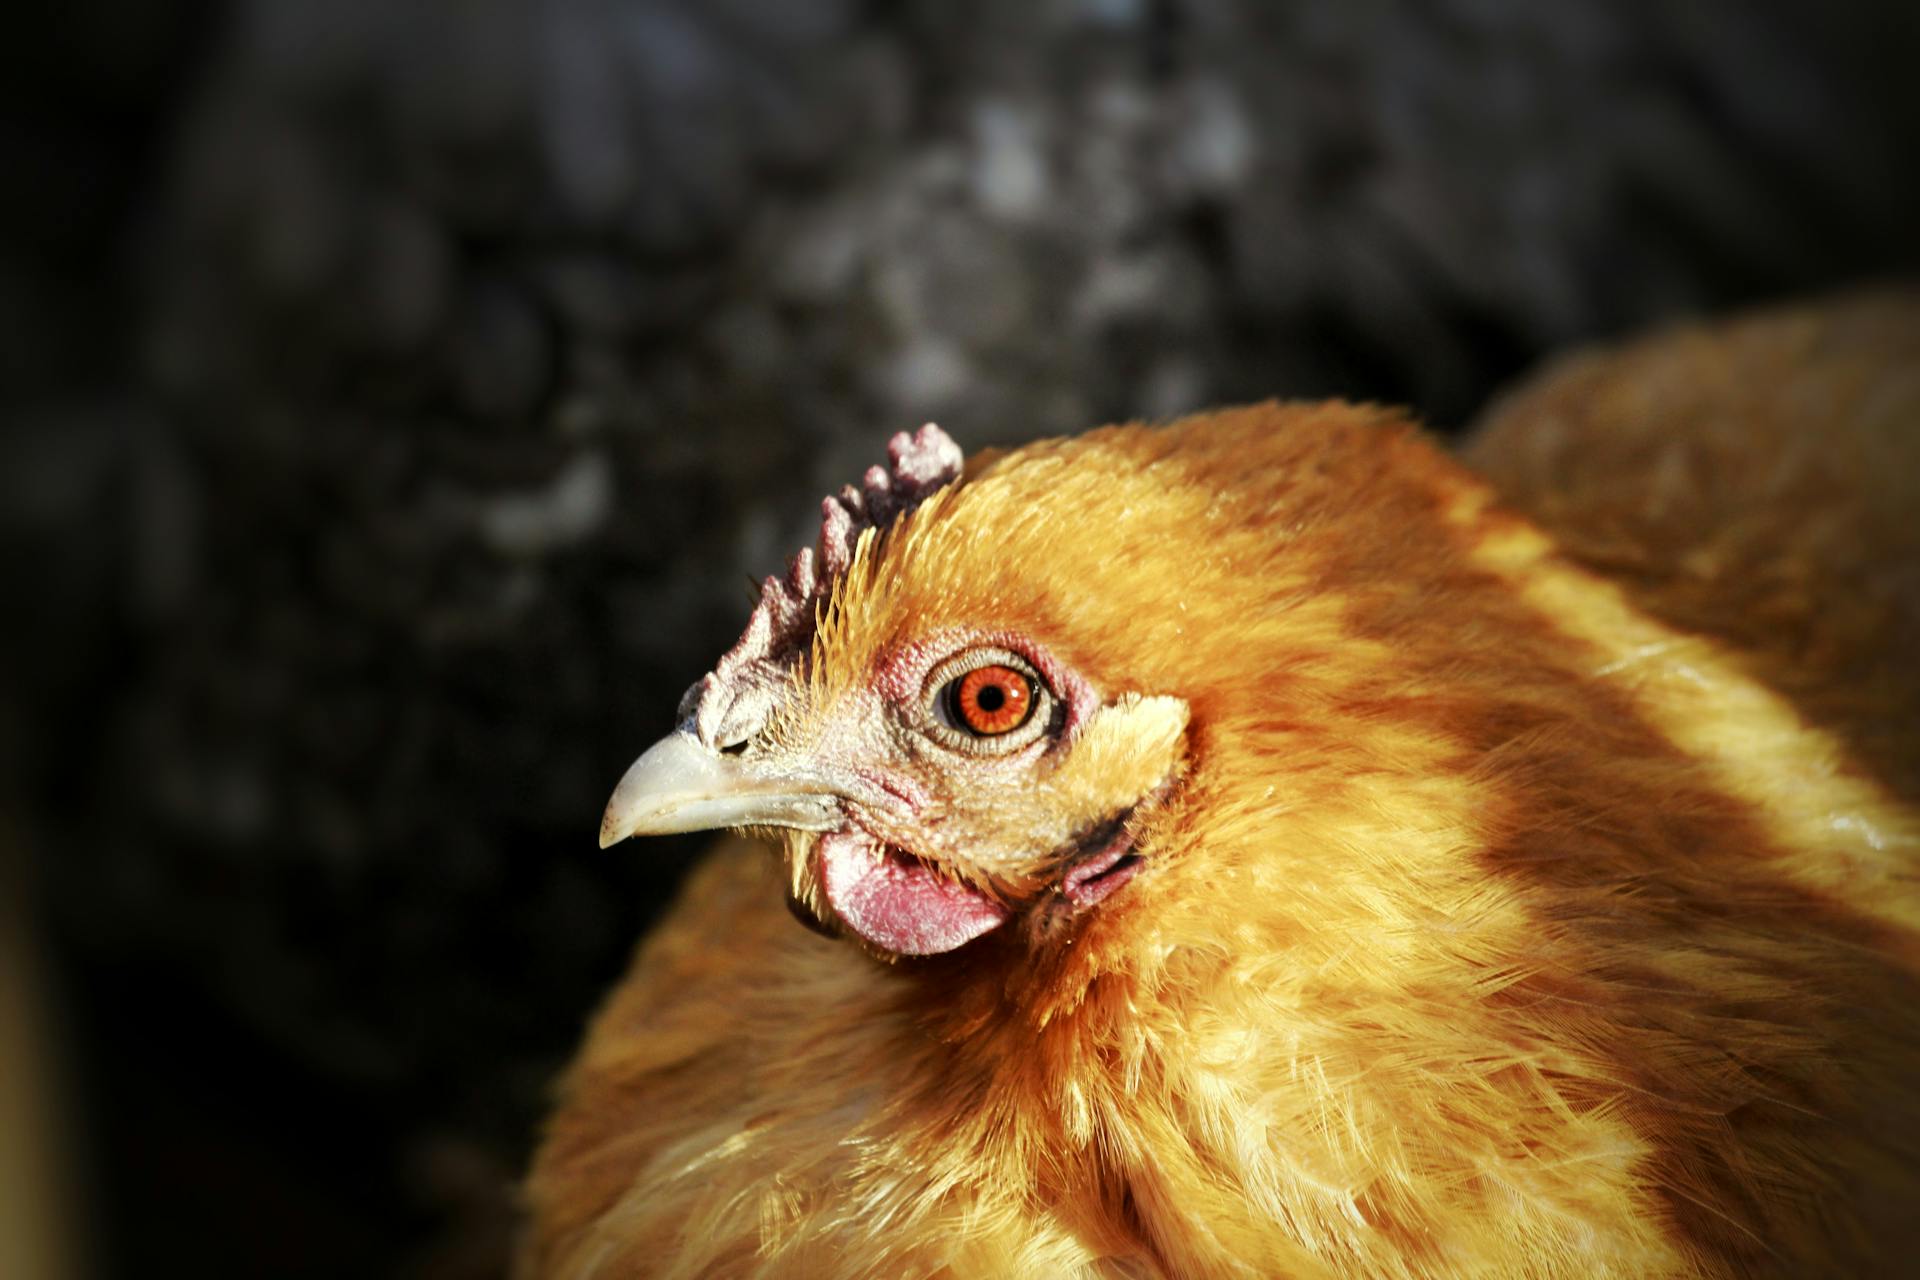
<point>680,784</point>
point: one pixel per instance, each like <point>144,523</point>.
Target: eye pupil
<point>991,697</point>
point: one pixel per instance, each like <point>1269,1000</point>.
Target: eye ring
<point>986,701</point>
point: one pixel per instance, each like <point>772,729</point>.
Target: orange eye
<point>992,700</point>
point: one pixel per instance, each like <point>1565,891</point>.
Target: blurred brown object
<point>37,1237</point>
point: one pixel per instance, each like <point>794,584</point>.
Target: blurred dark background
<point>397,394</point>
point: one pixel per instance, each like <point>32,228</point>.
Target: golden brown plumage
<point>1525,887</point>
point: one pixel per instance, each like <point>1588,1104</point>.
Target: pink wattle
<point>897,903</point>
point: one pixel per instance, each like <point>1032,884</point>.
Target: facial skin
<point>973,778</point>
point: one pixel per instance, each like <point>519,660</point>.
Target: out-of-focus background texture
<point>397,393</point>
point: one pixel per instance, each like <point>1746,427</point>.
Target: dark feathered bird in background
<point>1267,845</point>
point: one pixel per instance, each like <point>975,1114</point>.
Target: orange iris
<point>993,700</point>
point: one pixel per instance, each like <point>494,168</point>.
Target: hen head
<point>980,704</point>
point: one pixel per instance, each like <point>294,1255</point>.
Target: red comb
<point>730,703</point>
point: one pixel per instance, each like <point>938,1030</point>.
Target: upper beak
<point>680,784</point>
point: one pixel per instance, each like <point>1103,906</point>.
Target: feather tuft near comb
<point>730,703</point>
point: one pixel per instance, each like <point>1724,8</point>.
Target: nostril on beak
<point>735,748</point>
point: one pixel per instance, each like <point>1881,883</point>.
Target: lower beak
<point>680,784</point>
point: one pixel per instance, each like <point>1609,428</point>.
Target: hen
<point>1262,846</point>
